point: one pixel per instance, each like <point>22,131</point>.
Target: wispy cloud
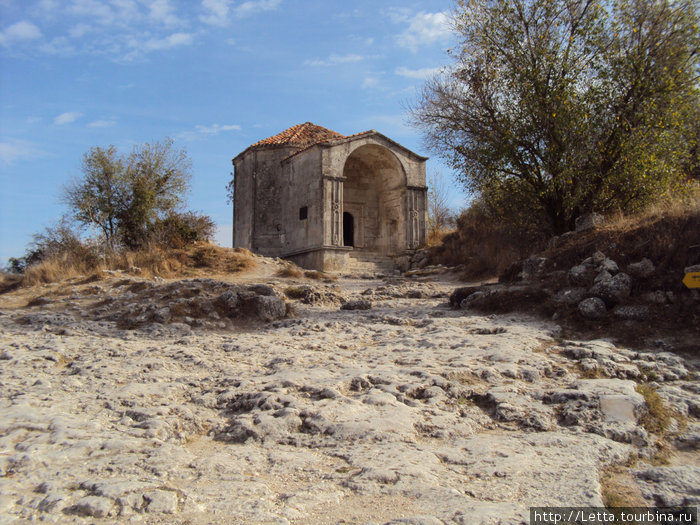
<point>13,150</point>
<point>425,28</point>
<point>102,123</point>
<point>20,31</point>
<point>117,12</point>
<point>161,11</point>
<point>174,40</point>
<point>370,82</point>
<point>67,118</point>
<point>216,12</point>
<point>58,46</point>
<point>215,129</point>
<point>207,131</point>
<point>421,74</point>
<point>255,6</point>
<point>334,60</point>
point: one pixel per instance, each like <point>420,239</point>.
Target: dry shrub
<point>295,292</point>
<point>59,267</point>
<point>483,246</point>
<point>319,276</point>
<point>292,271</point>
<point>436,237</point>
<point>149,261</point>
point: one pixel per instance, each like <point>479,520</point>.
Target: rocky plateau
<point>368,401</point>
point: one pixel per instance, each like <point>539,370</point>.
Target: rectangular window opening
<point>303,213</point>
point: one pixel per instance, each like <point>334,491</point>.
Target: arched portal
<point>374,194</point>
<point>348,229</point>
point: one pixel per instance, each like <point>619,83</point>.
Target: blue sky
<point>215,75</point>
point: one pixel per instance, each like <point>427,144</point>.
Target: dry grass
<point>483,248</point>
<point>658,416</point>
<point>319,276</point>
<point>618,488</point>
<point>197,259</point>
<point>291,270</point>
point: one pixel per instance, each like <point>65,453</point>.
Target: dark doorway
<point>348,229</point>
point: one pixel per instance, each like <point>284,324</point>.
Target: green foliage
<point>569,106</point>
<point>124,196</point>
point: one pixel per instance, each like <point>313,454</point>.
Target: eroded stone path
<point>405,410</point>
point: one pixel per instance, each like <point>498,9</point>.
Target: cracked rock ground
<point>405,412</point>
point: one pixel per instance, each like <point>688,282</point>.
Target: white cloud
<point>398,15</point>
<point>369,82</point>
<point>102,123</point>
<point>116,12</point>
<point>174,40</point>
<point>217,12</point>
<point>79,30</point>
<point>215,129</point>
<point>255,6</point>
<point>19,31</point>
<point>13,150</point>
<point>161,11</point>
<point>58,46</point>
<point>67,118</point>
<point>206,131</point>
<point>48,5</point>
<point>334,60</point>
<point>418,73</point>
<point>425,28</point>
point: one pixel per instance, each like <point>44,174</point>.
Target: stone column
<point>416,216</point>
<point>334,205</point>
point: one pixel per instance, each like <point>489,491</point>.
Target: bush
<point>486,244</point>
<point>178,230</point>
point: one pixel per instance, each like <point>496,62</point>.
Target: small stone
<point>359,304</point>
<point>592,308</point>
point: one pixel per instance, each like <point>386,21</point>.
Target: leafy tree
<point>97,198</point>
<point>123,196</point>
<point>568,106</point>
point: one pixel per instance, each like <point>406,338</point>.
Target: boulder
<point>609,266</point>
<point>264,307</point>
<point>589,222</point>
<point>459,294</point>
<point>641,269</point>
<point>613,290</point>
<point>533,267</point>
<point>592,308</point>
<point>581,275</point>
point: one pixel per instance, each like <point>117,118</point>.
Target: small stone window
<point>303,213</point>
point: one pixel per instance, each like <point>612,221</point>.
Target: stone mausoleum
<point>328,201</point>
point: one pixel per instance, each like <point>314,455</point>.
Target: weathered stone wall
<point>260,188</point>
<point>289,206</point>
<point>302,189</point>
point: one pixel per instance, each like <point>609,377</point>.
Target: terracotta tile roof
<point>301,135</point>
